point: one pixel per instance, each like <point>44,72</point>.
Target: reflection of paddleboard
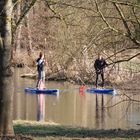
<point>42,91</point>
<point>101,91</point>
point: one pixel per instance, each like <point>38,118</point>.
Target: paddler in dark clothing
<point>99,66</point>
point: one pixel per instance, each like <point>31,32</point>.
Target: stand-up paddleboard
<point>42,91</point>
<point>102,91</point>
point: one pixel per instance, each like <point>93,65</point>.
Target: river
<point>72,108</point>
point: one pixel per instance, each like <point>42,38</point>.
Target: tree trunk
<point>29,47</point>
<point>6,72</point>
<point>29,36</point>
<point>18,41</point>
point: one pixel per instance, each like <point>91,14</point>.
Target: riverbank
<point>44,131</point>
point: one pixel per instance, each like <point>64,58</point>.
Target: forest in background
<point>72,33</point>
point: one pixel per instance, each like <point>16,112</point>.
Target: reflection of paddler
<point>41,103</point>
<point>41,107</point>
<point>96,101</point>
<point>82,90</point>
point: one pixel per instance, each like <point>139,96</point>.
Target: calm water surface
<point>73,108</point>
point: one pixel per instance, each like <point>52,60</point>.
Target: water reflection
<point>41,107</point>
<point>99,111</point>
<point>73,107</point>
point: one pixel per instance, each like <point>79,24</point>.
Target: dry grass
<point>33,123</point>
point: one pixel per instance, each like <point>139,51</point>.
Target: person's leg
<point>39,83</point>
<point>43,76</point>
<point>39,79</point>
<point>42,84</point>
<point>102,76</point>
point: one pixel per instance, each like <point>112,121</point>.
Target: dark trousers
<point>97,78</point>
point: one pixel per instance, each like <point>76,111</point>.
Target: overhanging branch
<point>125,60</point>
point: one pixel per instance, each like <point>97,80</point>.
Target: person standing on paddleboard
<point>40,69</point>
<point>99,66</point>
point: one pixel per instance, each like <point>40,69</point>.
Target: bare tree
<point>6,71</point>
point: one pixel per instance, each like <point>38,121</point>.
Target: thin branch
<point>125,60</point>
<point>105,21</point>
<point>49,6</point>
<point>90,44</point>
<point>133,9</point>
<point>124,3</point>
<point>123,100</point>
<point>25,13</point>
<point>128,34</point>
<point>123,19</point>
<point>126,100</point>
<point>111,17</point>
<point>70,5</point>
<point>123,50</point>
<point>58,15</point>
<point>102,16</point>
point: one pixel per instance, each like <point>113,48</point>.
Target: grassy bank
<point>43,131</point>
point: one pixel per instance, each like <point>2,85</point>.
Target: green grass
<point>64,138</point>
<point>43,131</point>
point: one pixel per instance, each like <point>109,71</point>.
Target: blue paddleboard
<point>41,91</point>
<point>101,91</point>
